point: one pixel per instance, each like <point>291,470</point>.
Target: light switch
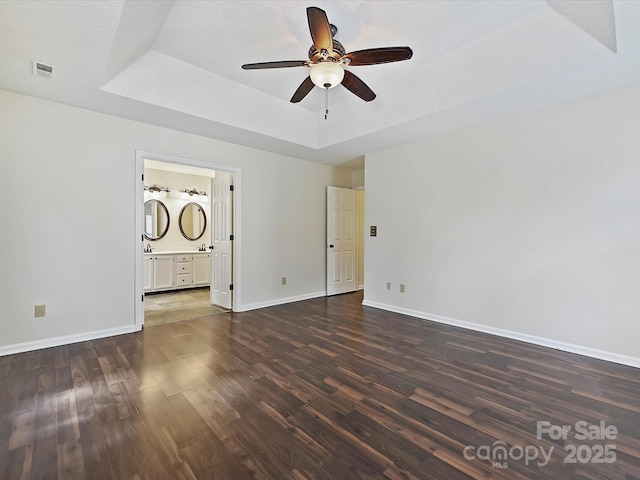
<point>373,231</point>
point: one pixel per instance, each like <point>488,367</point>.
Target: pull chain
<point>326,100</point>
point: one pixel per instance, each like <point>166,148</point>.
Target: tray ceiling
<point>177,64</point>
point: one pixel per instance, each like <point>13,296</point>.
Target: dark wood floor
<point>320,389</point>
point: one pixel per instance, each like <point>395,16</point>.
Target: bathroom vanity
<point>176,270</point>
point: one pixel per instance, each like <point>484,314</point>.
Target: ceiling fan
<point>327,59</point>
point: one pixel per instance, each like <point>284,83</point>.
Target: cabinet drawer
<point>183,258</point>
<point>183,279</point>
<point>183,267</point>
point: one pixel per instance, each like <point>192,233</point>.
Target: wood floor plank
<point>22,433</point>
<point>44,463</point>
<point>67,431</point>
<point>319,389</point>
<point>70,461</point>
<point>17,464</point>
<point>94,449</point>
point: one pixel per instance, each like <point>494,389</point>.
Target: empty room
<point>320,240</point>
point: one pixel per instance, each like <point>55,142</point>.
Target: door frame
<point>138,229</point>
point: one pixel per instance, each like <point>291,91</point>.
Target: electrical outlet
<point>388,285</point>
<point>284,280</point>
<point>402,288</point>
<point>39,311</point>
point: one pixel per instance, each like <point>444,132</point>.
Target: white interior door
<point>221,243</point>
<point>341,240</point>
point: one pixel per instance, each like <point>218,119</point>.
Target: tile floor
<point>166,307</point>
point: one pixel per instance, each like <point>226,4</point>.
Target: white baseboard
<point>280,301</point>
<point>545,342</point>
<point>66,340</point>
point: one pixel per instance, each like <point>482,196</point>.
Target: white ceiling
<point>177,64</point>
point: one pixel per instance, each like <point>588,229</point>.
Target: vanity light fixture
<point>192,191</point>
<point>195,193</point>
<point>156,190</point>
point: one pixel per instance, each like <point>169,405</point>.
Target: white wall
<point>528,227</point>
<point>357,178</point>
<point>67,185</point>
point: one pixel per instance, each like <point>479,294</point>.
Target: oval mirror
<point>156,219</point>
<point>193,221</point>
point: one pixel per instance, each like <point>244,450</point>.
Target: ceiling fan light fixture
<point>327,74</point>
<point>327,59</point>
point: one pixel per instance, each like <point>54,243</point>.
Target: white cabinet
<point>183,270</point>
<point>164,271</point>
<point>159,272</point>
<point>148,273</point>
<point>201,269</point>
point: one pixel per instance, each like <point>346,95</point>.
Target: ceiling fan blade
<point>283,64</point>
<point>356,86</point>
<point>374,56</point>
<point>305,87</point>
<point>320,29</point>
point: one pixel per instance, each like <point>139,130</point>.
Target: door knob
<point>210,247</point>
<point>330,246</point>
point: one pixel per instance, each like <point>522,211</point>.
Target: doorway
<point>185,300</point>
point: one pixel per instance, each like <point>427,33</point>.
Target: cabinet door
<point>163,271</point>
<point>148,273</point>
<point>201,268</point>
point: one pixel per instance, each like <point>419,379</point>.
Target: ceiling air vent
<point>43,70</point>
